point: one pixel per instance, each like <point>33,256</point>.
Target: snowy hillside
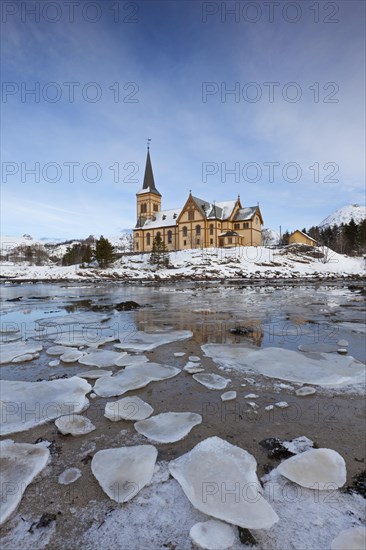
<point>344,215</point>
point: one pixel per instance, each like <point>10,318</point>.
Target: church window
<point>230,240</point>
<point>170,236</point>
<point>236,225</point>
<point>156,207</point>
<point>211,229</point>
<point>158,235</point>
<point>148,239</point>
<point>184,231</point>
<point>197,241</point>
<point>185,243</point>
<point>246,225</point>
<point>211,241</point>
<point>143,208</point>
<point>198,230</point>
<point>190,215</point>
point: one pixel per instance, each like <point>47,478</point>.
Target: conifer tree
<point>104,252</point>
<point>159,253</point>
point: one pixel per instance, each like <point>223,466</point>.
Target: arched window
<point>158,236</point>
<point>198,230</point>
<point>211,229</point>
<point>185,231</point>
<point>143,208</point>
<point>148,239</point>
<point>170,236</point>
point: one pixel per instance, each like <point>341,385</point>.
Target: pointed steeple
<point>149,183</point>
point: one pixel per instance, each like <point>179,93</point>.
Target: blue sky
<point>159,55</point>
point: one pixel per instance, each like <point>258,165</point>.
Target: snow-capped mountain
<point>344,215</point>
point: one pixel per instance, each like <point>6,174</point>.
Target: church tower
<point>148,198</point>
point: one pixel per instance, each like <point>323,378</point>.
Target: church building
<point>198,224</point>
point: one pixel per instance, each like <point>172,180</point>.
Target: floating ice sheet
<point>69,476</point>
<point>28,404</point>
<point>193,368</point>
<point>353,327</point>
<point>128,408</point>
<point>11,351</point>
<point>71,356</point>
<point>209,469</point>
<point>100,358</point>
<point>321,469</point>
<point>168,427</point>
<point>90,339</point>
<point>20,463</point>
<point>58,350</point>
<point>146,341</point>
<point>212,381</point>
<point>228,396</point>
<point>83,319</point>
<point>133,378</point>
<point>94,374</point>
<point>322,369</point>
<point>124,471</point>
<point>127,360</point>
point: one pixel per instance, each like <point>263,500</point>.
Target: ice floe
<point>90,339</point>
<point>128,408</point>
<point>28,404</point>
<point>11,351</point>
<point>212,381</point>
<point>228,396</point>
<point>146,341</point>
<point>168,427</point>
<point>133,378</point>
<point>281,404</point>
<point>23,358</point>
<point>100,358</point>
<point>94,374</point>
<point>321,469</point>
<point>124,471</point>
<point>179,354</point>
<point>193,368</point>
<point>58,350</point>
<point>208,471</point>
<point>88,319</point>
<point>305,390</point>
<point>350,539</point>
<point>213,535</point>
<point>353,327</point>
<point>20,464</point>
<point>322,369</point>
<point>127,360</point>
<point>69,476</point>
<point>74,424</point>
<point>318,348</point>
<point>194,358</point>
<point>54,363</point>
<point>71,356</point>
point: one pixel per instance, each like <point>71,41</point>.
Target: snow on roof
<point>245,213</point>
<point>226,208</point>
<point>148,190</point>
<point>164,218</point>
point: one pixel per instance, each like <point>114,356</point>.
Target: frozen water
<point>305,390</point>
<point>128,408</point>
<point>74,424</point>
<point>69,476</point>
<point>22,358</point>
<point>71,356</point>
<point>12,350</point>
<point>179,354</point>
<point>82,319</point>
<point>269,408</point>
<point>54,363</point>
<point>228,396</point>
<point>321,469</point>
<point>127,360</point>
<point>212,381</point>
<point>194,358</point>
<point>28,404</point>
<point>100,358</point>
<point>58,350</point>
<point>281,404</point>
<point>318,348</point>
<point>168,427</point>
<point>251,396</point>
<point>213,466</point>
<point>350,539</point>
<point>124,471</point>
<point>94,374</point>
<point>88,339</point>
<point>133,378</point>
<point>321,370</point>
<point>146,341</point>
<point>193,368</point>
<point>298,445</point>
<point>213,535</point>
<point>343,343</point>
<point>20,463</point>
<point>353,327</point>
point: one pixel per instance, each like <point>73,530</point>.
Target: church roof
<point>220,210</point>
<point>164,218</point>
<point>245,213</point>
<point>149,183</point>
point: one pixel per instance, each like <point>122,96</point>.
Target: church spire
<point>149,183</point>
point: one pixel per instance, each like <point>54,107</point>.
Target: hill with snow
<point>344,215</point>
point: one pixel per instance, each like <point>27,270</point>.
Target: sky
<point>262,99</point>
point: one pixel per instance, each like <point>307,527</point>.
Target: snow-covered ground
<point>241,262</point>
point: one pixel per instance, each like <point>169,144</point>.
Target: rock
<point>275,448</point>
<point>127,306</point>
<point>281,404</point>
<point>246,537</point>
